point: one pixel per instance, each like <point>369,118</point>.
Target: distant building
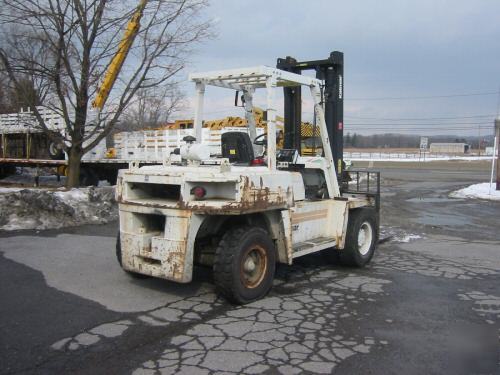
<point>489,151</point>
<point>449,148</point>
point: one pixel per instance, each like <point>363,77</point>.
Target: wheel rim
<point>53,149</point>
<point>253,266</point>
<point>365,237</point>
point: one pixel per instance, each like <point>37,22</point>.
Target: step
<point>313,245</point>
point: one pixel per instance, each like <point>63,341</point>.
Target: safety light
<point>257,161</point>
<point>199,192</point>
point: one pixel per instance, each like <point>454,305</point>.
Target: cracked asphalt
<point>428,303</point>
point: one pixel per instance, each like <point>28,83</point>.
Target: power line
<point>427,97</point>
<point>407,129</point>
<point>446,126</point>
<point>498,103</point>
<point>472,125</point>
<point>424,126</point>
<point>418,118</point>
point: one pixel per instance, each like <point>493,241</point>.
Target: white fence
<point>26,122</point>
<point>409,156</point>
<point>155,145</point>
<point>383,155</point>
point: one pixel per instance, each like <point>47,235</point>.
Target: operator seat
<point>237,147</point>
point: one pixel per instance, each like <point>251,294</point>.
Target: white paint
<point>330,173</point>
<point>198,111</point>
<point>271,123</point>
<point>195,151</point>
<point>365,237</point>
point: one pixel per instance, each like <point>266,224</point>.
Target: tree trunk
<point>75,157</point>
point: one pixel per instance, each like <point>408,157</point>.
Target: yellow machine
<point>311,141</point>
<point>218,124</point>
<point>231,122</point>
<point>116,63</point>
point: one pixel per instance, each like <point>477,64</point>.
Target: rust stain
<point>252,199</point>
<point>175,261</point>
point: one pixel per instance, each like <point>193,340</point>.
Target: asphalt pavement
<point>429,302</point>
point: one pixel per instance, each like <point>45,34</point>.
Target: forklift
<point>253,206</point>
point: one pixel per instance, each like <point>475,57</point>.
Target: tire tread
<point>224,259</point>
<point>348,256</point>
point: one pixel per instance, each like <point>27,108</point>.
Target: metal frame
<point>247,80</point>
<point>256,77</point>
<point>364,187</point>
<point>331,71</point>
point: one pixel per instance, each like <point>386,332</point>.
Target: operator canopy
<point>255,77</point>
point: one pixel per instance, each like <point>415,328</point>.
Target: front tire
<point>361,238</point>
<point>244,264</point>
<point>55,152</point>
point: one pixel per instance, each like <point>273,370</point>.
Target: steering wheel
<point>260,140</point>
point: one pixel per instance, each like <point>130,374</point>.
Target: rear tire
<point>361,238</point>
<point>135,275</point>
<point>244,265</point>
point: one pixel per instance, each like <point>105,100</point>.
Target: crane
<point>118,59</point>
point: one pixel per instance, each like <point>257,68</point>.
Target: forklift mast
<point>331,72</point>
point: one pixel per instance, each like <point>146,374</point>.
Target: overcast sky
<point>392,49</point>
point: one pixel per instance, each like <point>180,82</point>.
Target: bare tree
<point>13,98</point>
<point>153,107</point>
<point>5,103</point>
<point>64,46</point>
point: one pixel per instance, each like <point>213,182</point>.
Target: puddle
<point>440,219</point>
<point>388,194</point>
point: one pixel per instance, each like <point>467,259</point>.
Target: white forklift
<point>246,210</point>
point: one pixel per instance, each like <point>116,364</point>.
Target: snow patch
<point>49,209</point>
<point>478,191</point>
<point>406,238</point>
<point>9,190</point>
<point>398,235</point>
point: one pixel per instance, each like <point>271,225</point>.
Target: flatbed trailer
<point>91,171</point>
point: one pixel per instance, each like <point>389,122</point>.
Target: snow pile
<point>48,209</point>
<point>481,191</point>
<point>4,190</point>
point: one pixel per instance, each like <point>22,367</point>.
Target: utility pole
<point>479,139</point>
<point>497,140</point>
